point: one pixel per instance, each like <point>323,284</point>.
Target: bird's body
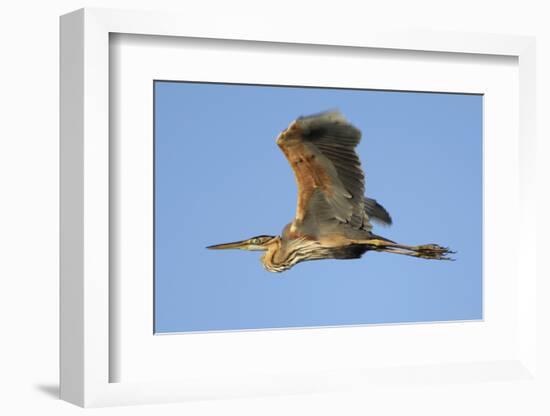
<point>333,217</point>
<point>285,254</point>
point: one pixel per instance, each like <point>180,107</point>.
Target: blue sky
<point>220,177</point>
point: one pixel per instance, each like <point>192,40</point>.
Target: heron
<point>333,217</point>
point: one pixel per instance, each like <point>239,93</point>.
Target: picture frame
<point>87,303</point>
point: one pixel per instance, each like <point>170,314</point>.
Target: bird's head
<point>258,243</point>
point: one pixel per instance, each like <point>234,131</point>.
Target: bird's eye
<point>255,241</point>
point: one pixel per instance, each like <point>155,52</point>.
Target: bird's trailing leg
<point>425,251</point>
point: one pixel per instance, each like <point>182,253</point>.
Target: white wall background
<point>29,195</point>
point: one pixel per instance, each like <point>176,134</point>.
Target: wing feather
<point>331,182</point>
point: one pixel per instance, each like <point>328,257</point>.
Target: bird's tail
<point>377,212</point>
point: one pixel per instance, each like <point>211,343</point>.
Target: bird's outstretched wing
<point>331,183</point>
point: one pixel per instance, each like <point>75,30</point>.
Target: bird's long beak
<point>243,245</point>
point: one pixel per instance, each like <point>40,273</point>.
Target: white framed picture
<point>149,315</point>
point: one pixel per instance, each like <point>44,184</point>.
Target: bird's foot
<point>433,252</point>
<point>425,251</point>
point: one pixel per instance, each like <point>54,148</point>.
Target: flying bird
<point>333,216</point>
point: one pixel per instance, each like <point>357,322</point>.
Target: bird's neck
<point>273,259</point>
<point>282,256</point>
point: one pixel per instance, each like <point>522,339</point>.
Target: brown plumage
<point>333,217</point>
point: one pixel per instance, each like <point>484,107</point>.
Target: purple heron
<point>333,216</point>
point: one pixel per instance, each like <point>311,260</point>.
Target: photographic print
<point>293,207</point>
